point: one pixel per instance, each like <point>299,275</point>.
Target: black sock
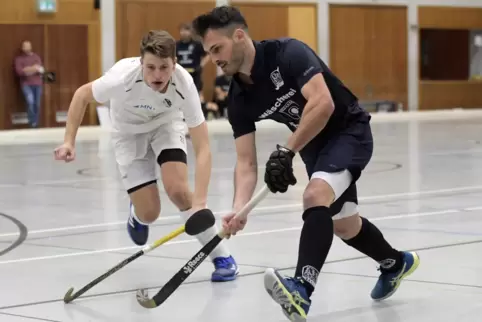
<point>370,241</point>
<point>315,243</point>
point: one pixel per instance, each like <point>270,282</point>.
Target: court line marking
<point>176,218</point>
<point>377,158</point>
<point>254,233</point>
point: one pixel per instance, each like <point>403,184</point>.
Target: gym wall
<point>67,41</point>
<point>266,20</point>
<point>445,81</point>
<point>369,54</point>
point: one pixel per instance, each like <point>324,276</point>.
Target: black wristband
<point>285,150</point>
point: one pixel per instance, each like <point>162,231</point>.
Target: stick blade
<point>68,296</point>
<point>144,300</point>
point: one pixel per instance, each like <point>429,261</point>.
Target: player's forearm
<point>202,177</point>
<point>315,115</point>
<point>76,114</point>
<point>245,179</point>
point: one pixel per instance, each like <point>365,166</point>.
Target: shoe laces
<point>390,277</point>
<point>222,262</point>
<point>297,298</point>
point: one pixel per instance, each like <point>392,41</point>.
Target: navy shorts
<point>350,149</point>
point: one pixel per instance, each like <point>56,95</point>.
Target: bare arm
<point>246,170</point>
<point>317,111</point>
<point>200,140</point>
<point>23,71</point>
<point>219,93</point>
<point>82,97</point>
<point>204,61</point>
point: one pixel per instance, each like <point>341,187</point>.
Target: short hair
<point>219,18</point>
<point>159,43</point>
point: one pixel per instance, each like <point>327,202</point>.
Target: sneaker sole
<point>416,263</point>
<point>219,278</point>
<point>273,284</point>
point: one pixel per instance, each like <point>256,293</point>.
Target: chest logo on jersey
<point>167,102</point>
<point>276,78</point>
<point>144,107</point>
<point>279,103</point>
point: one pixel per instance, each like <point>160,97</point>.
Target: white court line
<point>254,233</point>
<point>175,218</point>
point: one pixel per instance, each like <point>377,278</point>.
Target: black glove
<point>279,170</point>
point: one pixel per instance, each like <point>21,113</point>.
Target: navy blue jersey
<point>281,68</point>
<point>189,55</point>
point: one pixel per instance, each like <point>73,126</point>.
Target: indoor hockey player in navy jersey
<point>285,81</point>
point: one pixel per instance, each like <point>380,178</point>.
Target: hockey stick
<point>196,224</point>
<point>194,262</point>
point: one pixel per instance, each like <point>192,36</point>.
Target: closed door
<point>67,57</point>
<point>368,50</point>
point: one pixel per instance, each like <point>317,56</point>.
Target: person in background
<point>210,109</point>
<point>191,55</point>
<point>29,69</point>
<point>221,89</point>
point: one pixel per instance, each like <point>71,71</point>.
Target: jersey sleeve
<point>191,108</point>
<point>109,85</point>
<point>300,62</point>
<point>240,123</point>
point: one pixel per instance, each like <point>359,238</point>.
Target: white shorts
<point>341,183</point>
<point>136,154</point>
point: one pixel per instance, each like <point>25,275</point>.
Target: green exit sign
<point>47,5</point>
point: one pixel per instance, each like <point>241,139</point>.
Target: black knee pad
<point>317,211</point>
<point>172,155</point>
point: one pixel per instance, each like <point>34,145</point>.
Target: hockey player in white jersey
<point>149,97</point>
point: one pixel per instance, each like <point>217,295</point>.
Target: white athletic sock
<point>133,212</point>
<point>221,250</point>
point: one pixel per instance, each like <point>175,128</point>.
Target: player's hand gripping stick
<point>168,289</point>
<point>196,224</point>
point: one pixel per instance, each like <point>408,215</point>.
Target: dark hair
<point>159,43</point>
<point>218,18</point>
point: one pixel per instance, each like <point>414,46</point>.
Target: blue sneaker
<point>288,292</point>
<point>226,269</point>
<point>388,283</point>
<point>138,232</point>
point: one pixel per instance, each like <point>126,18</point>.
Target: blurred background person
<point>29,69</point>
<point>221,89</point>
<point>191,55</point>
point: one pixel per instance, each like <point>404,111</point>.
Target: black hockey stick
<point>176,281</point>
<point>197,223</point>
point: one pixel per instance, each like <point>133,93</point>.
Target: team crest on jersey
<point>167,102</point>
<point>276,78</point>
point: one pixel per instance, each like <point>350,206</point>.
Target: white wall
<point>107,25</point>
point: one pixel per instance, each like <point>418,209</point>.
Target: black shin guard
<point>315,243</point>
<point>370,241</point>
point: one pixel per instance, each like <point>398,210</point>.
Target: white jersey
<point>136,108</point>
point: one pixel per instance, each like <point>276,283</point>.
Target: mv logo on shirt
<point>276,79</point>
<point>167,102</point>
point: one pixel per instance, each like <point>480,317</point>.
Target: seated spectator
<point>29,69</point>
<point>210,109</point>
<point>221,89</point>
